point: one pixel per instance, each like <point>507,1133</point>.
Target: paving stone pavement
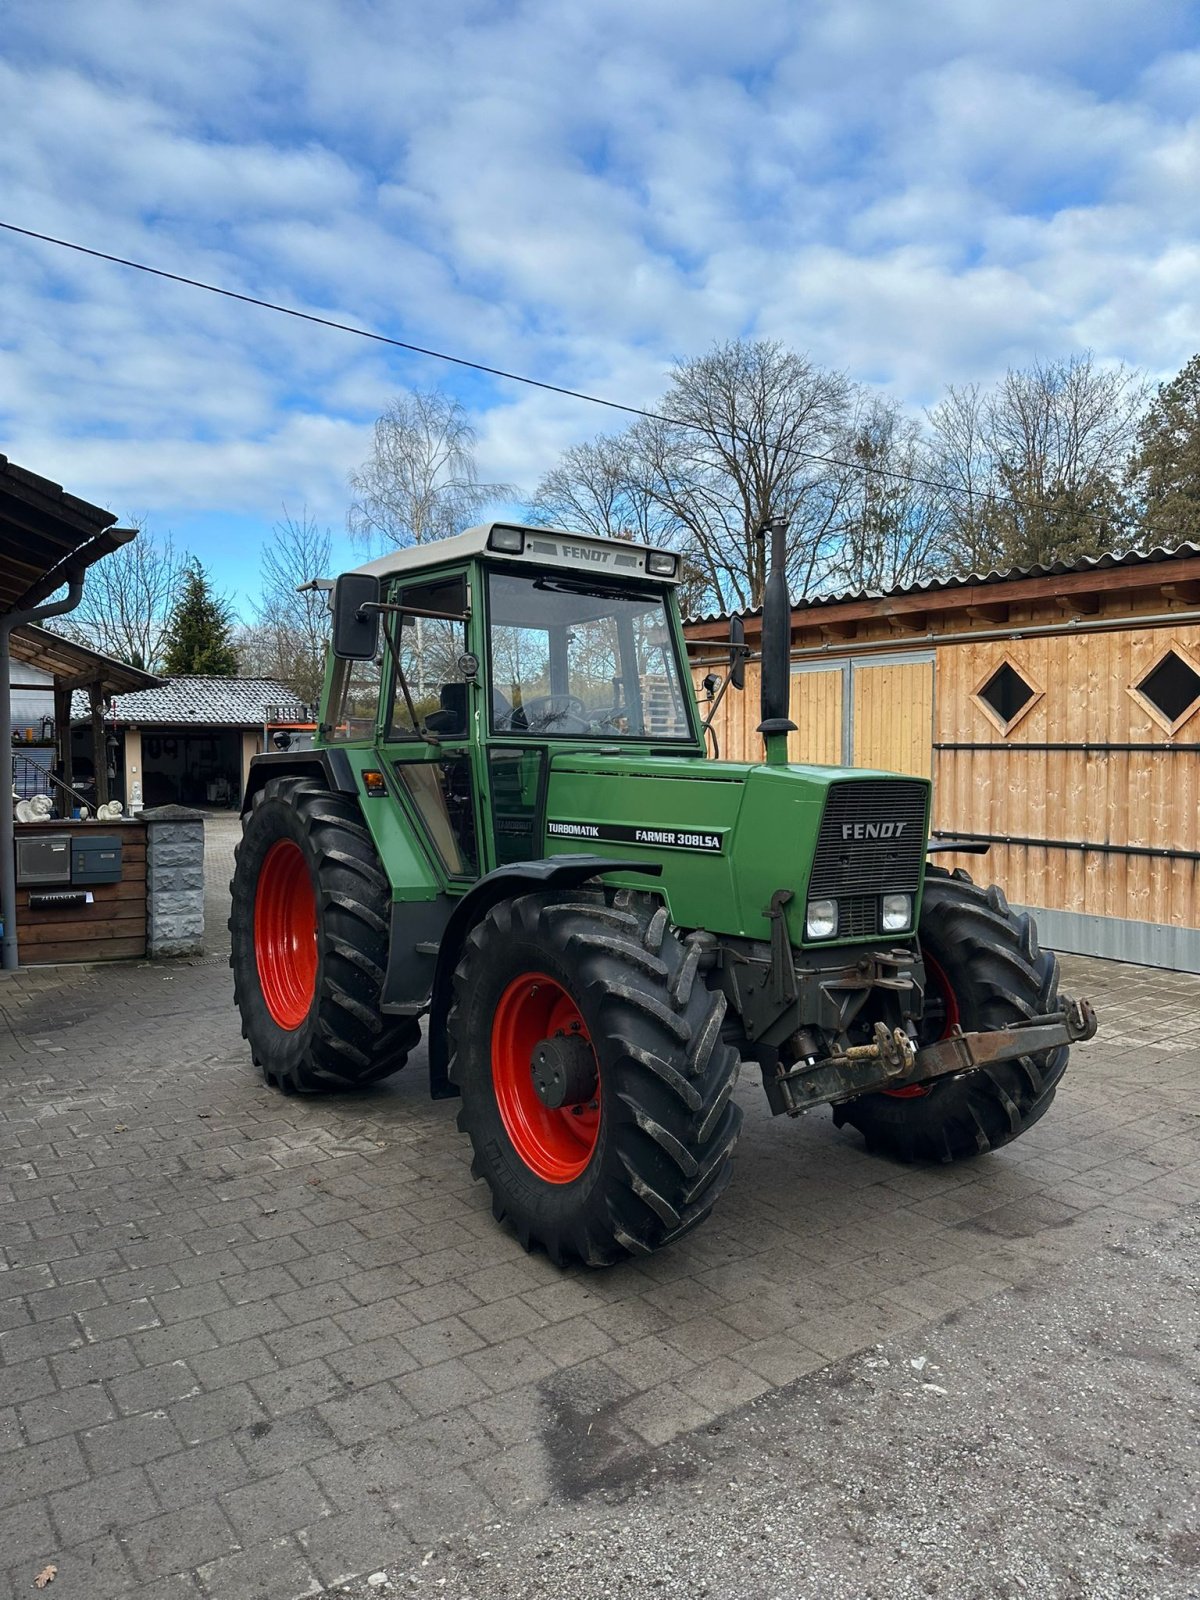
<point>253,1345</point>
<point>222,831</point>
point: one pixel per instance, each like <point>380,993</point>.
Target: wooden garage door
<point>893,715</point>
<point>816,705</point>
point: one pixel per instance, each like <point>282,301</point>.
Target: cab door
<point>428,719</point>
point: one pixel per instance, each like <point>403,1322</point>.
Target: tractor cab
<point>491,655</point>
<point>571,637</point>
<point>508,836</point>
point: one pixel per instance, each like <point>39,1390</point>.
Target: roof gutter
<point>71,572</point>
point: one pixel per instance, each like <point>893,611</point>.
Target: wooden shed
<point>1057,710</point>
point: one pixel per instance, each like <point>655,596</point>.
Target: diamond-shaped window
<point>1170,691</point>
<point>1005,695</point>
<point>1006,692</point>
<point>1172,686</point>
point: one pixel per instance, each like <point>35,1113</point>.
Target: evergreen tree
<point>200,642</point>
<point>1165,468</point>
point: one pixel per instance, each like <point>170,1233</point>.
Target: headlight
<point>510,541</point>
<point>822,919</point>
<point>897,913</point>
<point>661,565</point>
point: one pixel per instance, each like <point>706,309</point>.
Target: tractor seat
<point>451,720</point>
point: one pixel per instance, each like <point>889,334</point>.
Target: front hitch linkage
<point>890,1061</point>
<point>963,1052</point>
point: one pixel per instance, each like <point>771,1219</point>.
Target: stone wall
<point>174,881</point>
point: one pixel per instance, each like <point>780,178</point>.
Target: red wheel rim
<point>940,984</point>
<point>555,1144</point>
<point>285,934</point>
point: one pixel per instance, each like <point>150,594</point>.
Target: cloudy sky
<point>913,193</point>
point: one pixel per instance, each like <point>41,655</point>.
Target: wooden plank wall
<point>815,706</point>
<point>112,928</point>
<point>1119,797</point>
<point>893,715</point>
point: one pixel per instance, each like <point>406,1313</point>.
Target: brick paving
<point>251,1346</point>
<point>222,830</point>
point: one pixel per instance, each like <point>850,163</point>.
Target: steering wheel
<point>608,716</point>
<point>552,710</point>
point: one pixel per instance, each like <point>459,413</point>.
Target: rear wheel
<point>984,970</point>
<point>309,941</point>
<point>595,1083</point>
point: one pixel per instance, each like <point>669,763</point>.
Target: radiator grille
<point>845,866</point>
<point>858,916</point>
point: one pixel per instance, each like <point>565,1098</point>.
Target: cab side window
<point>354,701</point>
<point>428,652</point>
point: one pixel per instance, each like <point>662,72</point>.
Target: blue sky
<point>914,194</point>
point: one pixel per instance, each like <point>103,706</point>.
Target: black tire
<point>999,975</point>
<point>342,1040</point>
<point>667,1124</point>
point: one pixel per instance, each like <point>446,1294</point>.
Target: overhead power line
<point>500,372</point>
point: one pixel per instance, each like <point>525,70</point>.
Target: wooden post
<point>62,732</point>
<point>99,748</point>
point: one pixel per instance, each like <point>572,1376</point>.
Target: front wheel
<point>984,970</point>
<point>309,940</point>
<point>595,1083</point>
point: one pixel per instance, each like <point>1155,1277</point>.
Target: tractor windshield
<point>580,658</point>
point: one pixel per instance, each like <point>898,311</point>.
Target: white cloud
<point>915,195</point>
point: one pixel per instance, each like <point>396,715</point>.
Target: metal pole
<point>99,746</point>
<point>8,850</point>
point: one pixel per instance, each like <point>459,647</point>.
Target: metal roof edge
<point>1103,562</point>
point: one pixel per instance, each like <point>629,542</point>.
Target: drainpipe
<point>8,864</point>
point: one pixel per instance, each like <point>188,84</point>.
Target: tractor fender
<point>504,883</point>
<point>331,766</point>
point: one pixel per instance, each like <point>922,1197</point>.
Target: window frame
<point>1003,727</point>
<point>410,802</point>
<point>339,684</point>
<point>1157,715</point>
<point>389,733</point>
<point>526,736</point>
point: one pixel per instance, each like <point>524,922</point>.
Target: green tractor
<point>508,827</point>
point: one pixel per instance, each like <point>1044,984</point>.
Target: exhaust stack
<point>776,647</point>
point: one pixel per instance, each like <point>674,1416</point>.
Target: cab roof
<point>554,547</point>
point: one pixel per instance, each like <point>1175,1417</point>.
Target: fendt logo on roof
<point>584,553</point>
<point>872,830</point>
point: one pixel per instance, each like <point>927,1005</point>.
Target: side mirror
<point>355,631</point>
<point>737,656</point>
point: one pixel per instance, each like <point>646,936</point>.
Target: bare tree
<point>419,483</point>
<point>129,599</point>
<point>743,435</point>
<point>896,523</point>
<point>962,460</point>
<point>1037,462</point>
<point>601,488</point>
<point>750,424</point>
<point>598,488</point>
<point>289,635</point>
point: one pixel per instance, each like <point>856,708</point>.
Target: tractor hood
<point>728,835</point>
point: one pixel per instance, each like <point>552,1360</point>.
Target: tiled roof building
<point>204,702</point>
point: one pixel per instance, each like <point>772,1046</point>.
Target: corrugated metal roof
<point>1127,558</point>
<point>198,702</point>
